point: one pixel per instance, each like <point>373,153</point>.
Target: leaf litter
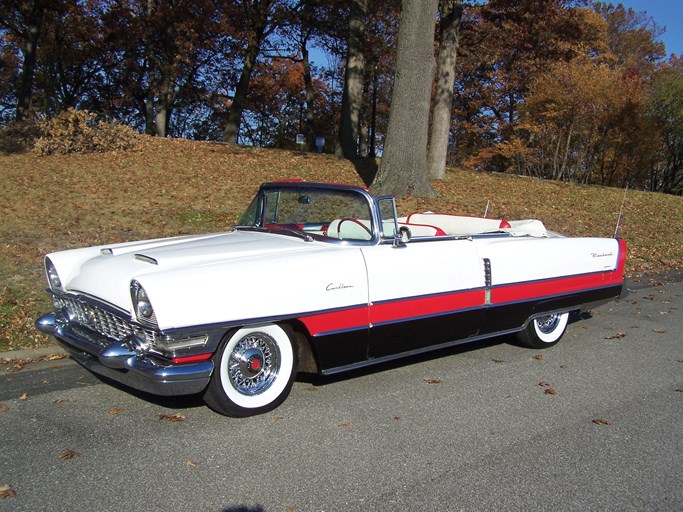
<point>172,418</point>
<point>6,491</point>
<point>70,454</point>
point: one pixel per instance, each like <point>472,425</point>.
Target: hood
<point>108,274</point>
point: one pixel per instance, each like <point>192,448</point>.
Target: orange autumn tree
<point>275,108</point>
<point>584,122</point>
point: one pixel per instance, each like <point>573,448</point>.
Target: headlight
<point>52,276</point>
<point>142,305</point>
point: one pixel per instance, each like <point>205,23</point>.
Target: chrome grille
<point>102,321</point>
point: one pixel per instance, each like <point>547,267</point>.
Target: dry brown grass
<point>171,187</point>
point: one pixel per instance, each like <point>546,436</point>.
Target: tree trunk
<point>149,112</point>
<point>373,117</point>
<point>260,24</point>
<point>164,105</point>
<point>404,162</point>
<point>442,104</point>
<point>309,129</point>
<point>232,127</point>
<point>25,87</point>
<point>352,98</point>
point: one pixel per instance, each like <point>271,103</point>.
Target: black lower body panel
<point>347,350</point>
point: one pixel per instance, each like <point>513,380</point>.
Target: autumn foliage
<point>559,89</point>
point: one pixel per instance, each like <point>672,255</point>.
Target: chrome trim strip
<point>258,320</point>
<point>429,295</point>
<point>430,348</point>
<point>558,278</point>
<point>146,259</point>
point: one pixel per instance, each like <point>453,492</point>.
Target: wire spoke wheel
<point>544,331</point>
<point>254,363</point>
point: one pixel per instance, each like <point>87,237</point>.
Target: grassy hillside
<point>174,187</point>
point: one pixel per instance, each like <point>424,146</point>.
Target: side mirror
<point>402,237</point>
<point>405,233</point>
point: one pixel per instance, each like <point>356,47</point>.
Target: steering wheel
<point>354,221</point>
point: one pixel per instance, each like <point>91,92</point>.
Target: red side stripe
<point>191,359</point>
<point>336,320</point>
<point>361,316</point>
<point>424,306</point>
<point>517,292</point>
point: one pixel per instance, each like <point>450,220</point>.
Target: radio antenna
<point>486,210</point>
<point>621,211</point>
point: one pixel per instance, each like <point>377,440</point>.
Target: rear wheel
<point>253,371</point>
<point>544,331</point>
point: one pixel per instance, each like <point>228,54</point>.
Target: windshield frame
<point>261,212</point>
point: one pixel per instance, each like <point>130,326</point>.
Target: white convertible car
<point>317,278</point>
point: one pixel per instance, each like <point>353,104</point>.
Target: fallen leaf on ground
<point>23,397</point>
<point>278,418</point>
<point>544,384</point>
<point>397,418</point>
<point>433,381</point>
<point>4,407</point>
<point>6,491</point>
<point>311,388</point>
<point>550,391</point>
<point>564,366</point>
<point>616,336</point>
<point>538,357</point>
<point>498,361</point>
<point>601,421</point>
<point>115,410</point>
<point>69,454</point>
<point>192,464</point>
<point>660,331</point>
<point>173,418</point>
<point>345,425</point>
<point>61,400</point>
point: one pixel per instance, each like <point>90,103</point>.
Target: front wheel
<point>253,371</point>
<point>544,331</point>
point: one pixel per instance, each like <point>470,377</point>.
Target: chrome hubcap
<point>254,363</point>
<point>547,324</point>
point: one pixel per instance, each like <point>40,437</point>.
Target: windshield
<point>320,212</point>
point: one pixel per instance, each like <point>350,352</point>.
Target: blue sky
<point>666,13</point>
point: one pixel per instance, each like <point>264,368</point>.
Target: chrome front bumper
<point>124,362</point>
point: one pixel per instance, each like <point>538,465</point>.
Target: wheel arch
<point>538,314</point>
<point>308,362</point>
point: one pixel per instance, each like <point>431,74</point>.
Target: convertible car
<point>317,278</point>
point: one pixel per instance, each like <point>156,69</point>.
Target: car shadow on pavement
<point>170,402</point>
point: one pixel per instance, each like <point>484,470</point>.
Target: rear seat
<point>422,229</point>
<point>462,225</point>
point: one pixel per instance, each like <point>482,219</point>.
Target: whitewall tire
<point>544,331</point>
<point>253,371</point>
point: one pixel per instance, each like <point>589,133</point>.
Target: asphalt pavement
<point>594,423</point>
